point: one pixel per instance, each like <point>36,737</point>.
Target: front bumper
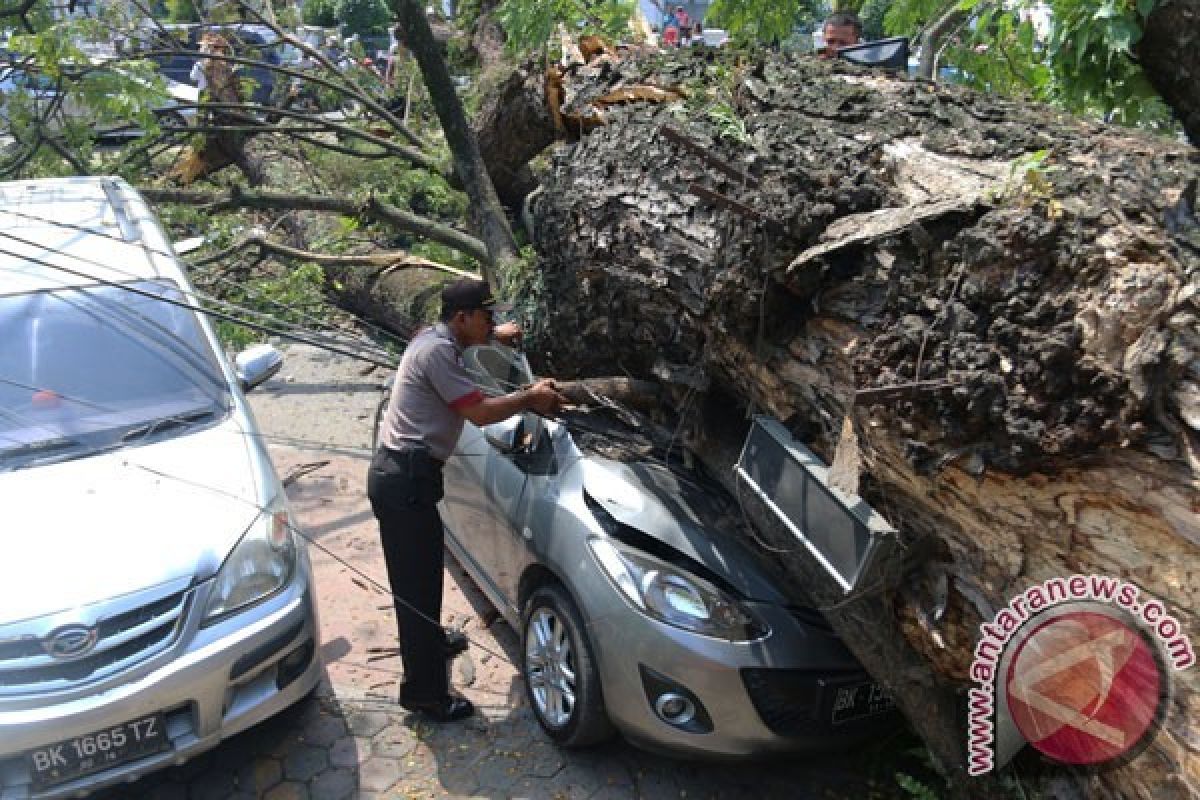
<point>213,683</point>
<point>773,695</point>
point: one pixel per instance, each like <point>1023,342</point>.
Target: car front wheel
<point>561,679</point>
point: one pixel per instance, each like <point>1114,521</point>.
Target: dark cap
<point>466,294</point>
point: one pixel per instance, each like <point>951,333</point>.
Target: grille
<point>786,699</point>
<point>122,641</point>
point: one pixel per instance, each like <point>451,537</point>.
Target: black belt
<point>413,451</point>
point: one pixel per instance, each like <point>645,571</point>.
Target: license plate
<point>83,755</point>
<point>858,701</point>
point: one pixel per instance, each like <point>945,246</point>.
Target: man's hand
<point>508,334</point>
<point>544,397</point>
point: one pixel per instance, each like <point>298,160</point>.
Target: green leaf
<point>1081,46</point>
<point>1144,7</point>
<point>1122,33</point>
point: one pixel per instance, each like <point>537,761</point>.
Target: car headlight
<point>674,596</point>
<point>260,564</point>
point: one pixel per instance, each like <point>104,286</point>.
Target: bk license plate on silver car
<point>73,758</point>
<point>856,701</point>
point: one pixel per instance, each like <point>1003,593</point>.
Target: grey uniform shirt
<point>431,388</point>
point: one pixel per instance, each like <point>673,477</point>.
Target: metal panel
<point>840,531</point>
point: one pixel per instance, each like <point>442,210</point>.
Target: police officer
<point>431,397</point>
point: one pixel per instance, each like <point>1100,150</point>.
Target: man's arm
<point>508,333</point>
<point>542,397</point>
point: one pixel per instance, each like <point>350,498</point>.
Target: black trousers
<point>404,487</point>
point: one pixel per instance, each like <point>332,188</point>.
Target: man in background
<point>842,29</point>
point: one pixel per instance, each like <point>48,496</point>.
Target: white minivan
<point>154,598</point>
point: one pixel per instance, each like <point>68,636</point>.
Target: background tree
<point>182,11</point>
<point>763,20</point>
<point>531,25</point>
<point>321,13</point>
<point>1081,60</point>
<point>1169,51</point>
<point>364,17</point>
<point>285,139</point>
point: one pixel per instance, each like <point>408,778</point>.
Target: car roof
<point>98,229</point>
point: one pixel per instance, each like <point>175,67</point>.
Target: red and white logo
<point>1084,687</point>
<point>1077,666</point>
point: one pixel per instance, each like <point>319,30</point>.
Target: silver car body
<point>112,558</point>
<point>516,523</point>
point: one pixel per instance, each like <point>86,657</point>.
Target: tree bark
<point>513,126</point>
<point>1014,341</point>
<point>1170,54</point>
<point>490,219</point>
<point>487,36</point>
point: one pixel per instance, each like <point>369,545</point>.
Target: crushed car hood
<point>86,530</point>
<point>689,518</point>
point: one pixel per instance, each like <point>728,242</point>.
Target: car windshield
<point>89,368</point>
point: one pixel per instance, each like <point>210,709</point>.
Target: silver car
<point>153,598</point>
<point>641,608</point>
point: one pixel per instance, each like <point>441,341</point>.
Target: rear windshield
<point>85,369</point>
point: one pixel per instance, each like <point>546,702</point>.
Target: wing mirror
<point>256,364</point>
<point>505,436</point>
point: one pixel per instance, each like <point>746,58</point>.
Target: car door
<point>490,475</point>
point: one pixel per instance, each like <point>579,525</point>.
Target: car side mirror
<point>257,364</point>
<point>505,436</point>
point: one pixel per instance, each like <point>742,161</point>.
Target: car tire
<point>562,682</point>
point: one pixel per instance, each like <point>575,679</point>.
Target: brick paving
<point>351,740</point>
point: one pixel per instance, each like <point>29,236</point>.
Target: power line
<point>241,431</point>
<point>181,304</point>
<point>265,510</point>
<point>312,339</point>
<point>313,335</point>
<point>171,255</point>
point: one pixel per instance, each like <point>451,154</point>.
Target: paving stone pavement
<point>351,740</point>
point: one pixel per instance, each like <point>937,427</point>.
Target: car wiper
<point>38,448</point>
<point>165,424</point>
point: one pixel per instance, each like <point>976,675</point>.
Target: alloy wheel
<point>550,667</point>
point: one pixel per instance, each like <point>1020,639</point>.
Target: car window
<point>537,455</point>
<point>499,370</point>
<point>86,366</point>
<point>496,368</point>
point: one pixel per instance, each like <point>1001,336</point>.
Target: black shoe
<point>455,644</point>
<point>449,709</point>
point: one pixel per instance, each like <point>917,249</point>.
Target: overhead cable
<point>309,340</point>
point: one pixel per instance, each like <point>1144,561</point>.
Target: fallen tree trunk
<point>1001,300</point>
